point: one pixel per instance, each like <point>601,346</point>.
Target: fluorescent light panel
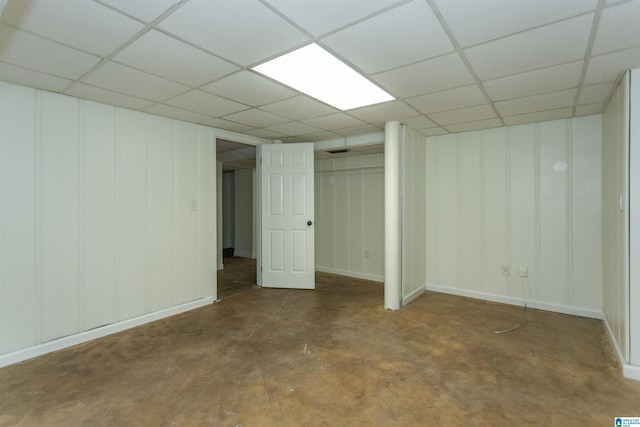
<point>315,72</point>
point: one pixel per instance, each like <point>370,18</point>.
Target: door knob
<point>309,222</point>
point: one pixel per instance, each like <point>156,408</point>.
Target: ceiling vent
<point>339,151</point>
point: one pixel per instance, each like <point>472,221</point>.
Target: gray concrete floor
<point>332,356</point>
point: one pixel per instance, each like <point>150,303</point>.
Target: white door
<point>286,201</point>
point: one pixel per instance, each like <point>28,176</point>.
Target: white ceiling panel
<point>530,104</point>
<point>256,118</point>
<point>550,45</point>
<point>535,82</point>
<point>26,50</point>
<point>249,88</point>
<point>481,124</point>
<point>406,34</point>
<point>299,108</point>
<point>266,134</point>
<point>451,99</point>
<point>594,94</point>
<point>619,28</point>
<point>418,122</point>
<point>320,16</point>
<point>188,65</point>
<point>176,113</point>
<point>608,67</point>
<point>393,110</point>
<point>227,125</point>
<point>434,131</point>
<point>81,90</point>
<point>245,32</point>
<point>589,109</point>
<point>357,130</point>
<point>463,115</point>
<point>294,129</point>
<point>334,121</point>
<point>126,80</point>
<point>206,103</point>
<point>22,76</point>
<point>145,10</point>
<point>85,25</point>
<point>541,116</point>
<point>318,136</point>
<point>426,76</point>
<point>473,22</point>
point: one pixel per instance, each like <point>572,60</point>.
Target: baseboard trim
<point>99,332</point>
<point>628,371</point>
<point>365,276</point>
<point>413,295</point>
<point>540,305</point>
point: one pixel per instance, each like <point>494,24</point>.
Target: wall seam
<point>458,213</point>
<point>81,282</point>
<point>509,213</point>
<point>569,214</point>
<point>40,208</point>
<point>538,267</point>
<point>118,310</point>
<point>482,207</point>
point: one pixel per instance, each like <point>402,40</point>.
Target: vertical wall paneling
<point>243,181</point>
<point>161,212</point>
<point>18,217</point>
<point>348,216</point>
<point>207,213</point>
<point>132,213</point>
<point>186,207</point>
<point>634,218</point>
<point>520,196</point>
<point>219,218</point>
<point>99,214</point>
<point>60,215</point>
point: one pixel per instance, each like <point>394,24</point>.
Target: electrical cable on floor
<point>520,323</point>
<point>524,311</point>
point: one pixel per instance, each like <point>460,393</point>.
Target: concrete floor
<point>332,356</point>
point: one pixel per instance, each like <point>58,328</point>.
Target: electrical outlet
<point>367,254</point>
<point>506,271</point>
<point>522,272</point>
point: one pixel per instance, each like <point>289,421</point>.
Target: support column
<point>392,218</point>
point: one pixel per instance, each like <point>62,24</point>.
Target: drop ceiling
<point>452,65</point>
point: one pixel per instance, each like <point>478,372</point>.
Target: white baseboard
<point>628,371</point>
<point>540,305</point>
<point>102,331</point>
<point>413,295</point>
<point>365,276</point>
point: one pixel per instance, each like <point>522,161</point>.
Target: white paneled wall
<point>349,216</point>
<point>614,224</point>
<point>244,213</point>
<point>521,196</point>
<point>106,214</point>
<point>414,205</point>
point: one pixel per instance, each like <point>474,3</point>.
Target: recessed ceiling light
<point>315,72</point>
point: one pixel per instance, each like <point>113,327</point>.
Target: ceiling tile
<point>256,118</point>
<point>419,122</point>
<point>334,121</point>
<point>84,25</point>
<point>142,9</point>
<point>176,113</point>
<point>320,16</point>
<point>433,131</point>
<point>357,130</point>
<point>473,22</point>
<point>608,67</point>
<point>227,125</point>
<point>406,34</point>
<point>206,103</point>
<point>104,96</point>
<point>38,54</point>
<point>589,109</point>
<point>266,134</point>
<point>299,108</point>
<point>597,93</point>
<point>451,99</point>
<point>232,31</point>
<point>426,76</point>
<point>530,104</point>
<point>463,115</point>
<point>123,79</point>
<point>536,82</point>
<point>188,65</point>
<point>393,110</point>
<point>619,28</point>
<point>479,125</point>
<point>293,129</point>
<point>550,45</point>
<point>22,76</point>
<point>542,116</point>
<point>319,136</point>
<point>249,88</point>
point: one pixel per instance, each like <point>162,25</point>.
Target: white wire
<point>524,312</point>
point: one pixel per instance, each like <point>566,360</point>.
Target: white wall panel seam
<point>481,210</point>
<point>199,210</point>
<point>40,246</point>
<point>458,213</point>
<point>175,212</point>
<point>81,281</point>
<point>509,213</point>
<point>116,294</point>
<point>569,159</point>
<point>535,293</point>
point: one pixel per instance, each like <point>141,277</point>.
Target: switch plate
<point>506,271</point>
